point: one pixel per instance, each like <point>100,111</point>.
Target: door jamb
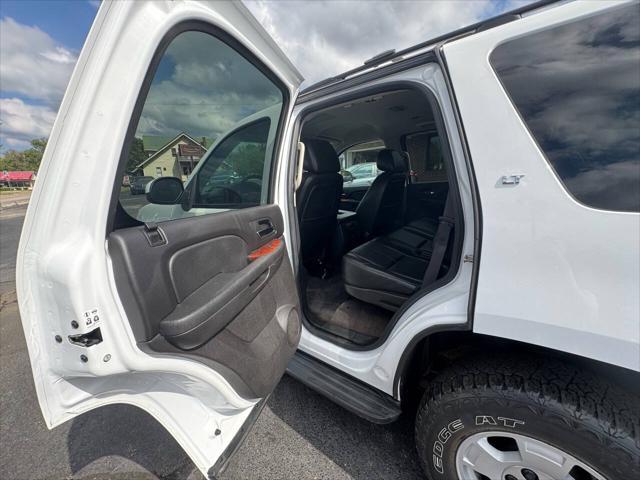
<point>451,178</point>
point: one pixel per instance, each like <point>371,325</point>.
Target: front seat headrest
<point>391,161</point>
<point>320,157</point>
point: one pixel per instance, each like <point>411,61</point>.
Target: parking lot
<point>300,434</point>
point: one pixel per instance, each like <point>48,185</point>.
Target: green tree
<point>136,155</point>
<point>28,159</point>
<point>248,159</point>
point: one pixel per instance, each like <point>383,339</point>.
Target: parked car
<point>499,293</point>
<point>360,174</point>
<point>138,184</point>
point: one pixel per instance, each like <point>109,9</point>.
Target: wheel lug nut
<point>529,474</point>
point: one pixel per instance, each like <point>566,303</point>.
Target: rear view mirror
<point>164,190</point>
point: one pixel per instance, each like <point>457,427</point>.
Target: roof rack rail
<point>376,59</point>
<point>393,55</point>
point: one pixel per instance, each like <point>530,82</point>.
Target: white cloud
<point>33,64</point>
<point>323,38</point>
<point>20,122</point>
<point>203,87</point>
<point>210,87</point>
<point>60,55</point>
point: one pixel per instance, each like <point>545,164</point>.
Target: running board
<point>346,391</point>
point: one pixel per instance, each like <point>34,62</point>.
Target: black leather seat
<point>415,238</point>
<point>381,209</point>
<point>387,270</point>
<point>318,198</point>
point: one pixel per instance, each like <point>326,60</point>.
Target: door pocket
<point>210,308</point>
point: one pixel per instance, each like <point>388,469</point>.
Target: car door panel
<point>201,293</point>
<point>92,299</point>
<point>426,199</point>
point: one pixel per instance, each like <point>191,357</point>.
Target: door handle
<point>300,166</point>
<point>265,227</point>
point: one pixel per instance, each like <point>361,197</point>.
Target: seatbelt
<point>405,190</point>
<point>440,241</point>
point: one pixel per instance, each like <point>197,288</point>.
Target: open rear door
<point>152,269</point>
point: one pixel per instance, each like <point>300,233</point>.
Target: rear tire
<point>595,424</point>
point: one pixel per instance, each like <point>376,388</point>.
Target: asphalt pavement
<point>300,434</point>
<point>132,203</point>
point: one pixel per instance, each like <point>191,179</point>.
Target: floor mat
<point>324,296</point>
<point>334,310</point>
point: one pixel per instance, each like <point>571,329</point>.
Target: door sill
<point>346,391</point>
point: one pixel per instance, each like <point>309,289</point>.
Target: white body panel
<point>447,305</point>
<point>553,272</point>
<point>63,267</point>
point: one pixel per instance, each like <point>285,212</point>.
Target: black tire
<point>596,422</point>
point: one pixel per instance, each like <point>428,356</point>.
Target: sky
<point>40,41</point>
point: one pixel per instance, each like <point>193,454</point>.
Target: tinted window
<point>360,161</point>
<point>425,153</point>
<point>361,153</point>
<point>206,104</point>
<point>363,169</point>
<point>232,173</point>
<point>577,87</point>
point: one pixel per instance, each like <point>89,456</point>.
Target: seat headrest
<point>392,161</point>
<point>320,157</point>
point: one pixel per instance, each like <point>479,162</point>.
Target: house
<point>153,143</point>
<point>176,157</point>
<point>18,178</point>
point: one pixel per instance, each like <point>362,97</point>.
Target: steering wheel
<point>253,176</point>
<point>228,195</point>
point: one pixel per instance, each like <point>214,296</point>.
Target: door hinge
<point>468,259</point>
<point>87,339</point>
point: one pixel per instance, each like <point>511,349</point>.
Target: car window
<point>360,160</point>
<point>577,88</point>
<point>232,173</point>
<point>425,153</point>
<point>206,104</point>
<point>361,170</point>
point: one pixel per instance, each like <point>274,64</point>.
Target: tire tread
<point>547,386</point>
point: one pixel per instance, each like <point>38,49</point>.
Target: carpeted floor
<point>334,310</point>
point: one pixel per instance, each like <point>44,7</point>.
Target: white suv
<point>499,282</point>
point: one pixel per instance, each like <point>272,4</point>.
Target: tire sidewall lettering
<point>497,421</point>
<point>444,435</point>
<point>456,426</point>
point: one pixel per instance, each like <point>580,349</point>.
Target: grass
<point>6,191</point>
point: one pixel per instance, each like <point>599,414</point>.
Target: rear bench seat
<point>387,270</point>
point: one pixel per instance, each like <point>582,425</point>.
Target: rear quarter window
<point>577,88</point>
